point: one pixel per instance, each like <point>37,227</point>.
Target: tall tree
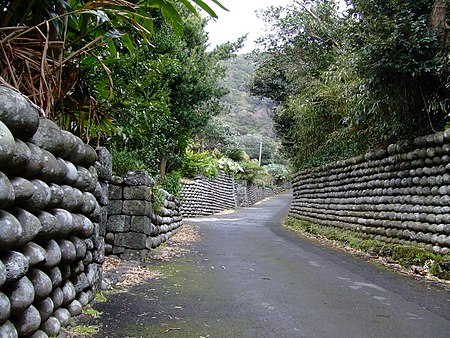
<point>167,91</point>
<point>403,57</point>
<point>354,80</point>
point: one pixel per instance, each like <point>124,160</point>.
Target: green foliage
<point>89,311</point>
<point>405,255</point>
<point>215,136</point>
<point>229,166</point>
<point>247,117</point>
<point>165,93</point>
<point>350,82</point>
<point>170,182</point>
<point>46,39</point>
<point>205,163</point>
<point>278,171</point>
<point>99,297</point>
<point>127,160</point>
<point>237,163</point>
<point>237,154</point>
<point>253,173</point>
<point>158,198</point>
<point>403,61</point>
<point>437,269</point>
<point>146,126</point>
<point>85,330</point>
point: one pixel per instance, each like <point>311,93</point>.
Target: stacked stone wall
<point>138,219</point>
<point>254,194</point>
<point>52,221</point>
<point>399,194</point>
<point>203,196</point>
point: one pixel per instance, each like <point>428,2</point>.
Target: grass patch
<point>92,312</point>
<point>99,297</point>
<point>405,255</point>
<point>84,330</point>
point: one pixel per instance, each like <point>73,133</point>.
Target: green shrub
<point>171,182</point>
<point>252,173</point>
<point>157,198</point>
<point>127,160</point>
<point>204,163</point>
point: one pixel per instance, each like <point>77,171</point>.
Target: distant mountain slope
<point>248,116</point>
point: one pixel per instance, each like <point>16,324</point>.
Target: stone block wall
<point>203,196</point>
<point>399,194</point>
<point>52,221</point>
<point>138,219</point>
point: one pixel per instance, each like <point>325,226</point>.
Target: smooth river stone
<point>18,113</point>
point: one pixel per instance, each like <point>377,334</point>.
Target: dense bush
<point>354,80</point>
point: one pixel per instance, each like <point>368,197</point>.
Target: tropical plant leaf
<point>127,42</point>
<point>170,13</point>
<point>206,8</point>
<point>189,7</point>
<point>219,4</point>
<point>100,14</point>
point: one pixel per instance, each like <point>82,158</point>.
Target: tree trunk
<point>438,21</point>
<point>162,167</point>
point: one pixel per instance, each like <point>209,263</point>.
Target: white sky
<point>240,19</point>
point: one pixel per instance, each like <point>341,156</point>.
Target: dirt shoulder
<point>120,275</point>
<point>418,272</point>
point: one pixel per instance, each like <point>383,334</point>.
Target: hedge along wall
<point>52,219</point>
<point>399,194</point>
<point>203,196</point>
<point>138,219</point>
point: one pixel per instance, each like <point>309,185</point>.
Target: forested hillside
<point>247,118</point>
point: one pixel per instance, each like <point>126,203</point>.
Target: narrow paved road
<point>252,278</point>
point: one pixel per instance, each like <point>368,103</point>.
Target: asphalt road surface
<point>249,277</point>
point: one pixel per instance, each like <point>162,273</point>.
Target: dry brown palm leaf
<point>27,65</point>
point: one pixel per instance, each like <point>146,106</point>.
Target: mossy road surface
<point>249,277</point>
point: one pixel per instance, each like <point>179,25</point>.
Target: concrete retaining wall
<point>138,219</point>
<point>52,221</point>
<point>399,194</point>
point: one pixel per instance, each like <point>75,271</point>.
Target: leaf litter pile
<point>178,245</point>
<point>131,273</point>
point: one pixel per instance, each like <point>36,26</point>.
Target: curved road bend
<point>252,278</point>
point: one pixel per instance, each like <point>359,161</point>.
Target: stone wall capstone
<point>399,194</point>
<point>53,197</point>
<point>138,219</point>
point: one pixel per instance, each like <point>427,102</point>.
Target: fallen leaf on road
<point>179,244</point>
<point>138,274</point>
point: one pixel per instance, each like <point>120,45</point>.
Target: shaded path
<point>252,278</point>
